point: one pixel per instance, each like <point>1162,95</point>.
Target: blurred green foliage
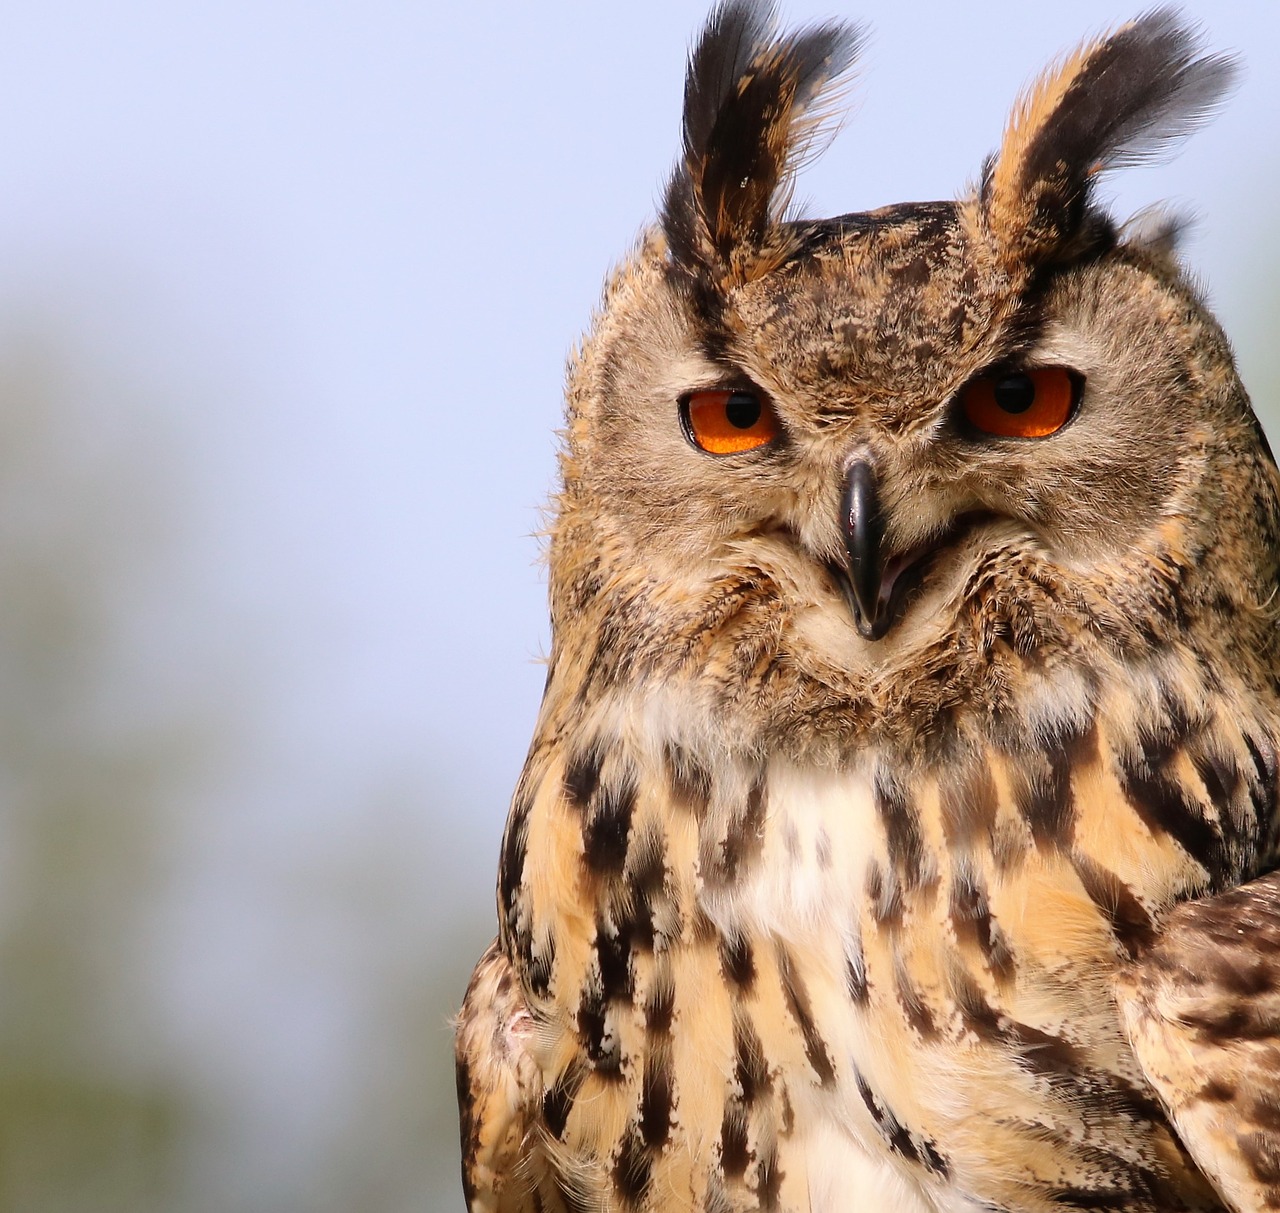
<point>87,1119</point>
<point>104,1103</point>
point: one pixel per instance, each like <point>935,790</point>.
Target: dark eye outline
<point>766,406</point>
<point>977,434</point>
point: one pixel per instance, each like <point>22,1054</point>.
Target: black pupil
<point>742,410</point>
<point>1015,393</point>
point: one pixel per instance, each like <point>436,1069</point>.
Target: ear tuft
<point>754,104</point>
<point>1122,99</point>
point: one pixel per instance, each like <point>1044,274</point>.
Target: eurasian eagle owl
<point>896,827</point>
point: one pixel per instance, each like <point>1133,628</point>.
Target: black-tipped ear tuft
<point>1122,99</point>
<point>753,104</point>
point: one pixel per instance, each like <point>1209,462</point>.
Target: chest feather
<point>743,970</point>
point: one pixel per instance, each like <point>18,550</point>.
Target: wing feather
<point>1202,1009</point>
<point>499,1091</point>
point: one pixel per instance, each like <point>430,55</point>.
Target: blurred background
<point>285,294</point>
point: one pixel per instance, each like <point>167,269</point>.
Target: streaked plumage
<point>896,780</point>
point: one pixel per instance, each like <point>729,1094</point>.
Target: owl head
<point>888,447</point>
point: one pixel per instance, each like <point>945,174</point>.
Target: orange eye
<point>1022,404</point>
<point>724,422</point>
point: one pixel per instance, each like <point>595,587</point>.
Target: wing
<point>1202,1010</point>
<point>499,1090</point>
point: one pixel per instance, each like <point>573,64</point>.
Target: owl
<point>898,827</point>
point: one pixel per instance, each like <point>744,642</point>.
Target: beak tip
<point>872,623</point>
<point>873,630</point>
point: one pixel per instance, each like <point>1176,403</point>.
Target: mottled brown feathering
<point>906,762</point>
<point>1202,1009</point>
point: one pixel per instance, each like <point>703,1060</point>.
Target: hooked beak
<point>878,583</point>
<point>863,526</point>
